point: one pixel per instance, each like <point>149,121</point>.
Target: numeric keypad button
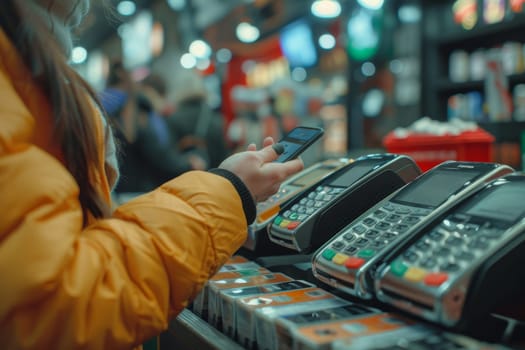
<point>379,214</point>
<point>360,229</point>
<point>436,236</point>
<point>349,237</point>
<point>464,256</point>
<point>410,256</point>
<point>361,242</point>
<point>351,250</point>
<point>338,245</point>
<point>372,233</point>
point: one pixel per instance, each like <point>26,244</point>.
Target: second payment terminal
<point>466,263</point>
<point>268,209</point>
<point>314,216</point>
<point>349,260</point>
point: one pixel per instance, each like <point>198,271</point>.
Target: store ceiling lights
<point>368,69</point>
<point>371,4</point>
<point>299,74</point>
<point>203,64</point>
<point>224,55</point>
<point>247,33</point>
<point>188,61</point>
<point>79,55</point>
<point>409,14</point>
<point>200,49</point>
<point>326,8</point>
<point>126,8</point>
<point>327,41</point>
<point>176,5</point>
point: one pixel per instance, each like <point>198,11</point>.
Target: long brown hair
<point>69,95</point>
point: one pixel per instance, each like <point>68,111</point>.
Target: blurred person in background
<point>78,274</point>
<point>196,128</point>
<point>254,118</point>
<point>147,157</point>
<point>155,89</point>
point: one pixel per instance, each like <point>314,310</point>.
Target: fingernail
<point>278,148</point>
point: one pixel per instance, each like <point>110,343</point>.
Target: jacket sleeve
<point>118,281</point>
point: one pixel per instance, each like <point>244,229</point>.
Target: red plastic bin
<point>431,150</point>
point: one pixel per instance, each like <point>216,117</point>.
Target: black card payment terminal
<point>268,209</point>
<point>314,216</point>
<point>476,249</point>
<point>349,260</point>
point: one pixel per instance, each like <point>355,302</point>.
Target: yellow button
<point>415,274</point>
<point>339,258</point>
<point>285,223</point>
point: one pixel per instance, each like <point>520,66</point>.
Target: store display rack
<point>438,45</point>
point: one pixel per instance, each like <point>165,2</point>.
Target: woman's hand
<point>257,170</point>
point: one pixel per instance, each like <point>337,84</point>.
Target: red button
<point>293,225</point>
<point>354,263</point>
<point>435,279</point>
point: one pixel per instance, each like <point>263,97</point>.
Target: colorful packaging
<point>287,325</point>
<point>265,326</point>
<point>233,270</point>
<point>215,287</point>
<point>228,297</point>
<point>321,336</point>
<point>417,336</point>
<point>246,307</point>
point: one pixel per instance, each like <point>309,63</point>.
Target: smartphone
<point>297,141</point>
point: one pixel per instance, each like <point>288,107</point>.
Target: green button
<point>366,253</point>
<point>328,254</point>
<point>278,220</point>
<point>398,268</point>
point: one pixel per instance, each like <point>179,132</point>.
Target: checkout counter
<point>358,258</point>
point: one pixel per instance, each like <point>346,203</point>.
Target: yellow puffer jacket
<point>120,280</point>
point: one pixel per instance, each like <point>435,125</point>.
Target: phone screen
<point>297,141</point>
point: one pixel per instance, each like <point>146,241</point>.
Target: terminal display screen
<point>500,203</point>
<point>307,178</point>
<point>353,174</point>
<point>434,188</point>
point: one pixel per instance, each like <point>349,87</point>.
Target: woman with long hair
<point>74,272</point>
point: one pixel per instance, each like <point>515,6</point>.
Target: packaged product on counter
<point>228,297</point>
<point>216,316</point>
<point>287,325</point>
<point>266,318</point>
<point>417,337</point>
<point>321,336</point>
<point>247,307</point>
<point>239,267</point>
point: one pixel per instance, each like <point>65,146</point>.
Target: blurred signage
<point>364,34</point>
<point>136,40</point>
<point>297,44</point>
<point>465,13</point>
<point>493,11</point>
<point>517,5</point>
<point>264,74</point>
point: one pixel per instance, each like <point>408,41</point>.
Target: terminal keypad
<point>307,206</point>
<point>447,249</point>
<point>367,236</point>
